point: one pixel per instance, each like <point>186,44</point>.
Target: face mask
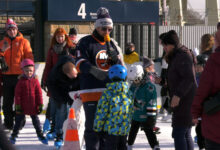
<point>128,51</point>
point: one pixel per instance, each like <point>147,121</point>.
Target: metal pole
<point>7,9</point>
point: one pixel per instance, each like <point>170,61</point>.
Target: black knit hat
<point>171,38</point>
<point>147,62</point>
<point>73,31</point>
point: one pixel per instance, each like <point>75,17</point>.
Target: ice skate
<point>46,126</point>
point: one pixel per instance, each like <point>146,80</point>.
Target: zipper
<point>11,56</point>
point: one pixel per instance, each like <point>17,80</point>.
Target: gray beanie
<point>147,62</point>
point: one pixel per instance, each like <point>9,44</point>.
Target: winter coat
<point>19,50</point>
<point>52,58</point>
<point>60,84</point>
<point>182,83</point>
<point>209,85</point>
<point>114,110</point>
<point>28,95</point>
<point>145,103</point>
<point>131,58</point>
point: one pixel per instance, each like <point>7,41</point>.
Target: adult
<point>130,55</point>
<point>207,43</point>
<point>182,85</point>
<point>13,49</point>
<point>60,45</point>
<point>209,85</point>
<point>94,57</point>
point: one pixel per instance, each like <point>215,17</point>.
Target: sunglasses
<point>106,29</point>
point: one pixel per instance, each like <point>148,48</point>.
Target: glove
<point>98,73</point>
<point>70,102</point>
<point>18,109</point>
<point>40,108</point>
<point>112,53</point>
<point>4,66</point>
<point>43,86</point>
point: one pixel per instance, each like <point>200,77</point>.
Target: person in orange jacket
<point>13,49</point>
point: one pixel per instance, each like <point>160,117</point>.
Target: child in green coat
<point>145,107</point>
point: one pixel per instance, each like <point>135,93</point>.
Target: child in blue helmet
<point>114,110</point>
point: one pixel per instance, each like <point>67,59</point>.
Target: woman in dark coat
<point>209,85</point>
<point>182,85</point>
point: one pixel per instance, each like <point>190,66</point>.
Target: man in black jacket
<point>62,79</point>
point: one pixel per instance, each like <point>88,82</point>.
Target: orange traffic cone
<point>71,140</point>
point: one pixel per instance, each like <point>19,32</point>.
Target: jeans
<point>182,138</point>
<point>92,139</point>
<point>210,145</point>
<point>58,114</point>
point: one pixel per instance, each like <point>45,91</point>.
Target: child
<point>114,110</point>
<point>28,100</point>
<point>62,79</point>
<point>145,107</point>
<point>151,75</point>
<point>201,61</point>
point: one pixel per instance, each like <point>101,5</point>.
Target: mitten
<point>18,109</point>
<point>98,73</point>
<point>40,108</point>
<point>3,64</point>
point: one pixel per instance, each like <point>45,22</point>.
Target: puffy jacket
<point>131,58</point>
<point>114,110</point>
<point>19,50</point>
<point>208,86</point>
<point>28,95</point>
<point>145,103</point>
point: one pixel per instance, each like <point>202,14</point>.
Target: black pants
<point>9,84</point>
<point>113,142</point>
<point>48,111</point>
<point>200,138</point>
<point>93,140</point>
<point>151,136</point>
<point>19,119</point>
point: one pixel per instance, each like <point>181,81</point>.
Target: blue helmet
<point>118,72</point>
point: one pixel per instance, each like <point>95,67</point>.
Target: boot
<point>59,141</point>
<point>51,134</point>
<point>12,139</point>
<point>42,138</point>
<point>46,126</point>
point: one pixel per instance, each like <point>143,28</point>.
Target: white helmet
<point>135,72</point>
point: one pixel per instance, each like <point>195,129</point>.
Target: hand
<point>5,46</point>
<point>195,121</point>
<point>43,86</point>
<point>175,101</point>
<point>40,109</point>
<point>157,80</point>
<point>18,109</point>
<point>3,64</point>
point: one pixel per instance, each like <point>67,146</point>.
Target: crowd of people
<point>118,91</point>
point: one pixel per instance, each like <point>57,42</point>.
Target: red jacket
<point>28,95</point>
<point>209,84</point>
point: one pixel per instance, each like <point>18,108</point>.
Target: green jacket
<point>145,101</point>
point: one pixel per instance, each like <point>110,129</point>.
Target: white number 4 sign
<point>82,11</point>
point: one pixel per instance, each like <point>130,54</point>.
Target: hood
<point>117,86</point>
<point>216,55</point>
